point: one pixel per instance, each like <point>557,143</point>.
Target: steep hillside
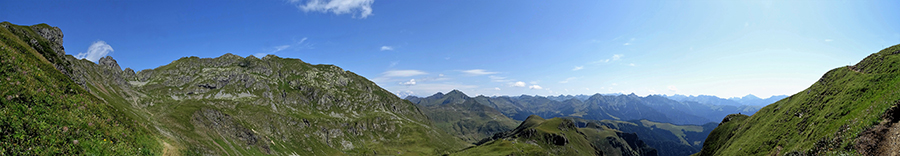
<point>462,116</point>
<point>557,136</point>
<point>231,105</point>
<point>668,139</point>
<point>43,112</point>
<point>851,109</point>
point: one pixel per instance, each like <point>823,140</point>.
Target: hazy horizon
<point>494,48</point>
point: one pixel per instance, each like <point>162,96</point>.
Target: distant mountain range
<point>750,99</point>
<point>475,118</point>
<point>676,109</point>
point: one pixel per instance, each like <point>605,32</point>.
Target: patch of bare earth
<point>884,138</point>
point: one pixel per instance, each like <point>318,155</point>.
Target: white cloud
<point>97,50</point>
<point>631,64</point>
<point>518,84</point>
<point>409,83</point>
<point>617,57</point>
<point>627,44</point>
<point>496,88</point>
<point>431,88</point>
<point>828,40</point>
<point>672,88</point>
<point>577,68</point>
<point>441,75</point>
<point>568,79</point>
<point>358,8</point>
<point>402,73</point>
<point>477,72</point>
<point>404,94</point>
<point>260,55</point>
<point>383,48</point>
<point>535,87</point>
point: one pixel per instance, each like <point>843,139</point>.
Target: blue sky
<point>497,47</point>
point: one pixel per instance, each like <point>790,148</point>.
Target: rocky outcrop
<point>225,126</point>
<point>273,105</point>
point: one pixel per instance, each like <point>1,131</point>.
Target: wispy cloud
<point>402,73</point>
<point>568,79</point>
<point>496,88</point>
<point>475,72</point>
<point>394,63</point>
<point>615,57</point>
<point>629,42</point>
<point>281,47</point>
<point>357,8</point>
<point>535,87</point>
<point>302,44</point>
<point>97,50</point>
<point>672,88</point>
<point>498,79</point>
<point>577,68</point>
<point>431,88</point>
<point>383,48</point>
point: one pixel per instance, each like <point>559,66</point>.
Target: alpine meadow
<point>460,78</point>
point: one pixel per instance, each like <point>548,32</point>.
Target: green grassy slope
<point>229,105</point>
<point>462,116</point>
<point>557,136</point>
<point>43,112</point>
<point>270,106</point>
<point>826,118</point>
<point>668,139</point>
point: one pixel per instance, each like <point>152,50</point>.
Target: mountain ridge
<point>228,105</point>
<point>847,111</point>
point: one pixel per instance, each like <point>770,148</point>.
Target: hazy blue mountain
<point>750,99</point>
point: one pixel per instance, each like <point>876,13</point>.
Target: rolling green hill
<point>229,105</point>
<point>850,110</point>
<point>462,116</point>
<point>557,136</point>
<point>669,139</point>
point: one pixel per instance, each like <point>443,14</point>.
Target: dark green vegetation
<point>668,139</point>
<point>557,136</point>
<point>43,112</point>
<point>460,115</point>
<point>850,110</point>
<point>228,105</point>
<point>472,120</point>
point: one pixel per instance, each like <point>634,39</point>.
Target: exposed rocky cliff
<point>232,105</point>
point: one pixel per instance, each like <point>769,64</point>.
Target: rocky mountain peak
<point>108,61</point>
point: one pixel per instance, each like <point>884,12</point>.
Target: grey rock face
<point>108,61</point>
<point>54,35</point>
